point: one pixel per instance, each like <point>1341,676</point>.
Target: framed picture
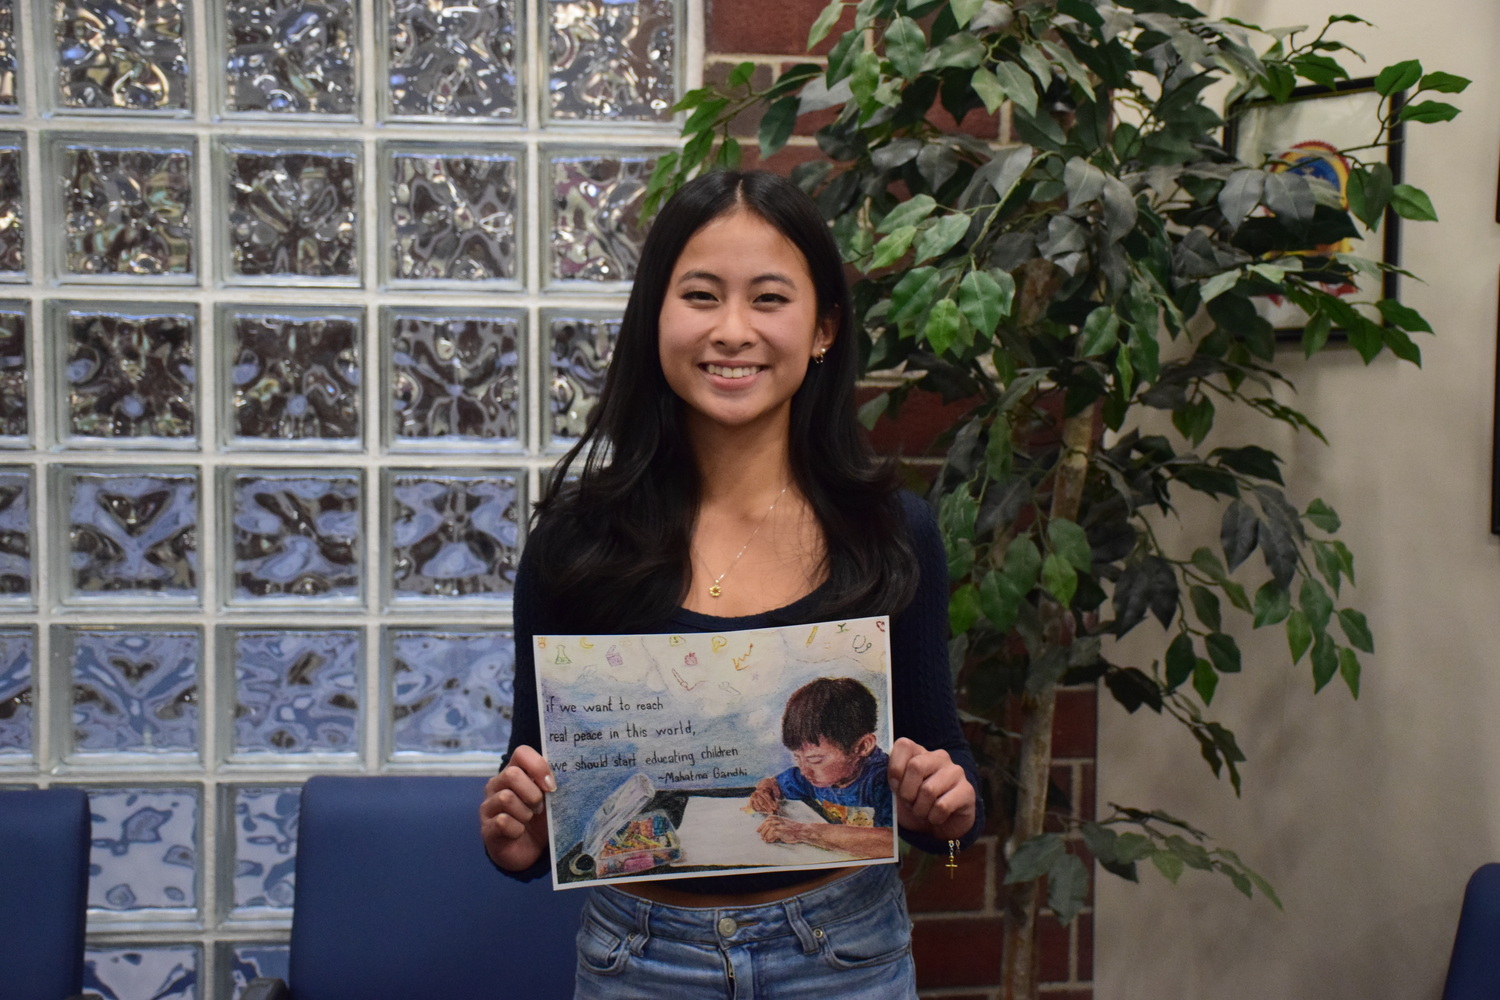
<point>1305,135</point>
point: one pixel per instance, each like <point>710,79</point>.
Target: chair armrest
<point>265,988</point>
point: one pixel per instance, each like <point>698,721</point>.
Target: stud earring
<point>818,358</point>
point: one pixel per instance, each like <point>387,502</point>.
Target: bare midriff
<point>662,892</point>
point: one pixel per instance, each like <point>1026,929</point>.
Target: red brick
<point>747,123</point>
<point>777,27</point>
<point>1075,728</point>
<point>781,162</point>
<point>1084,993</point>
<point>1054,944</point>
<point>923,417</point>
<point>930,889</point>
<point>957,953</point>
<point>1085,925</point>
<point>1088,792</point>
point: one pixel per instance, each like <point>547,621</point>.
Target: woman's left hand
<point>933,794</point>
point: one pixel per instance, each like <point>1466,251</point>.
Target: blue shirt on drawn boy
<point>865,801</point>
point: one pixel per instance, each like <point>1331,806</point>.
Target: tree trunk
<point>1034,769</point>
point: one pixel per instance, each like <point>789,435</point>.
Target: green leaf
<point>1299,635</point>
<point>1059,578</point>
<point>1180,661</point>
<point>825,22</point>
<point>1428,112</point>
<point>1034,858</point>
<point>1357,629</point>
<point>1324,516</point>
<point>1019,86</point>
<point>871,411</point>
<point>1101,332</point>
<point>1412,203</point>
<point>1272,604</point>
<point>1168,864</point>
<point>1000,600</point>
<point>1316,604</point>
<point>941,237</point>
<point>1208,564</point>
<point>1224,652</point>
<point>1007,289</point>
<point>705,116</point>
<point>963,609</point>
<point>1349,670</point>
<point>1023,563</point>
<point>963,11</point>
<point>741,74</point>
<point>905,45</point>
<point>1219,284</point>
<point>777,125</point>
<point>1444,83</point>
<point>1238,532</point>
<point>989,89</point>
<point>1325,662</point>
<point>893,247</point>
<point>1402,316</point>
<point>1067,887</point>
<point>979,299</point>
<point>913,293</point>
<point>1205,680</point>
<point>1315,333</point>
<point>942,327</point>
<point>1398,77</point>
<point>1069,541</point>
<point>908,213</point>
<point>1206,607</point>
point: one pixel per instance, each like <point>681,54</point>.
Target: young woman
<point>724,483</point>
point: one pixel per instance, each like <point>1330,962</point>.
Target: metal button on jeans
<point>727,926</point>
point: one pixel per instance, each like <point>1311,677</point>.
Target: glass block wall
<point>298,302</point>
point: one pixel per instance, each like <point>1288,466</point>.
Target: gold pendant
<point>714,591</point>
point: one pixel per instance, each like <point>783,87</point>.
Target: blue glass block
<point>295,375</point>
<point>121,54</point>
<point>579,351</point>
<point>297,691</point>
<point>15,374</point>
<point>451,691</point>
<point>265,848</point>
<point>149,972</point>
<point>454,535</point>
<point>454,377</point>
<point>452,59</point>
<point>134,690</point>
<point>12,206</point>
<point>145,851</point>
<point>17,654</point>
<point>611,60</point>
<point>127,209</point>
<point>129,374</point>
<point>132,534</point>
<point>597,230</point>
<point>454,216</point>
<point>296,535</point>
<point>251,961</point>
<point>293,213</point>
<point>15,531</point>
<point>291,56</point>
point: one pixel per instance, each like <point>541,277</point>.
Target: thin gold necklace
<point>714,590</point>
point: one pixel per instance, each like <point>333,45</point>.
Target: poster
<point>669,751</point>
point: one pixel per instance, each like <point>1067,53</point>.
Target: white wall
<point>1367,816</point>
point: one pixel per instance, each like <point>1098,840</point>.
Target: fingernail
<point>551,783</point>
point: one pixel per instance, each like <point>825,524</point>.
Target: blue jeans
<point>849,938</point>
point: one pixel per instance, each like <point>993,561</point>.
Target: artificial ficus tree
<point>1103,270</point>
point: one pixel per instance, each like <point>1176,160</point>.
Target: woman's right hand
<point>513,815</point>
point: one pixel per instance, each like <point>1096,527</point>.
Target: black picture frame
<point>1257,121</point>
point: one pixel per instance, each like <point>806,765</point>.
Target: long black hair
<point>616,538</point>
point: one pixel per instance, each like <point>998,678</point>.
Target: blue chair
<point>1474,968</point>
<point>44,885</point>
<point>395,900</point>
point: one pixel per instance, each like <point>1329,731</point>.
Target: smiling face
<point>827,765</point>
<point>739,324</point>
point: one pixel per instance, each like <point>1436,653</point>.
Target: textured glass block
<point>452,691</point>
<point>293,213</point>
<point>454,377</point>
<point>580,349</point>
<point>453,58</point>
<point>12,206</point>
<point>127,210</point>
<point>145,850</point>
<point>7,55</point>
<point>291,56</point>
<point>127,54</point>
<point>165,972</point>
<point>17,656</point>
<point>453,217</point>
<point>252,961</point>
<point>129,374</point>
<point>454,534</point>
<point>611,59</point>
<point>15,374</point>
<point>16,570</point>
<point>265,848</point>
<point>596,216</point>
<point>134,690</point>
<point>295,534</point>
<point>297,691</point>
<point>295,376</point>
<point>132,534</point>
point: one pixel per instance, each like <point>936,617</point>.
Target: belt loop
<point>799,925</point>
<point>642,934</point>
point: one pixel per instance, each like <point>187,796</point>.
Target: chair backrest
<point>1473,971</point>
<point>44,884</point>
<point>396,900</point>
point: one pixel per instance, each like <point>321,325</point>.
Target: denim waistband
<point>725,926</point>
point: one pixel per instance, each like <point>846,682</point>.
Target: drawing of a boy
<point>829,726</point>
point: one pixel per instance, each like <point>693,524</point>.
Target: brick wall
<point>957,934</point>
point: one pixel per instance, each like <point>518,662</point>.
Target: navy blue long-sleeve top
<point>923,705</point>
